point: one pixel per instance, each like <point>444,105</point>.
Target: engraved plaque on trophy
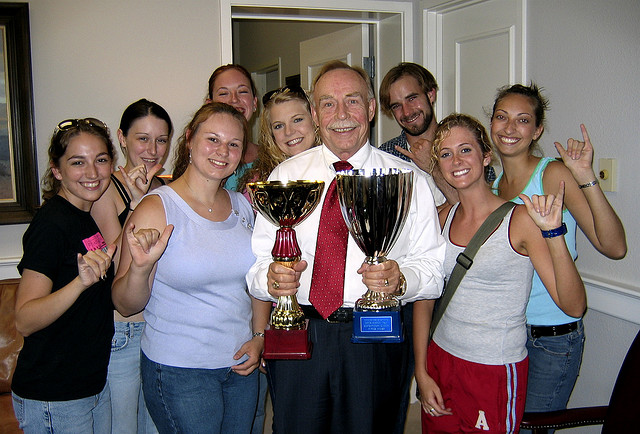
<point>285,204</point>
<point>375,204</point>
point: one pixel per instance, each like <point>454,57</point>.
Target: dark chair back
<point>623,412</point>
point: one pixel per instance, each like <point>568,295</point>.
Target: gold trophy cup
<point>285,204</point>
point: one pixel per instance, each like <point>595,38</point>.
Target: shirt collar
<point>357,160</point>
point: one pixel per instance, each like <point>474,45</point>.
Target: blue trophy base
<point>377,326</point>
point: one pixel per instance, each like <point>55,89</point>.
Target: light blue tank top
<point>232,181</point>
<point>199,312</point>
<point>542,310</point>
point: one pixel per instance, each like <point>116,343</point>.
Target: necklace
<point>209,208</point>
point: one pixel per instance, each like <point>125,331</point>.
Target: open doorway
<point>389,24</point>
<point>279,53</point>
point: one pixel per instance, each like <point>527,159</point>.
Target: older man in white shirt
<point>345,387</point>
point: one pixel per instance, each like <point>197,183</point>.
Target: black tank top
<point>122,191</point>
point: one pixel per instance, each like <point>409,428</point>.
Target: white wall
<point>586,54</point>
<point>93,58</point>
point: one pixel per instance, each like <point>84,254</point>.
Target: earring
<point>189,156</point>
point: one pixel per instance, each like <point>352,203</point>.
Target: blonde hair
<point>269,154</point>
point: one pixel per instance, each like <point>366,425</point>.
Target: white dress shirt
<point>419,249</point>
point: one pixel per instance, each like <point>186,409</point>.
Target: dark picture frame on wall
<point>18,167</point>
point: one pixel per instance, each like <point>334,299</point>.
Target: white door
<point>473,48</point>
<point>266,78</point>
<point>348,45</point>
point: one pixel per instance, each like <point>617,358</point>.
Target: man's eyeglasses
<point>296,90</point>
<point>69,124</point>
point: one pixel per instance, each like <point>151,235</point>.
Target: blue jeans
<point>258,420</point>
<point>128,411</point>
<point>86,415</point>
<point>193,401</point>
<point>554,364</point>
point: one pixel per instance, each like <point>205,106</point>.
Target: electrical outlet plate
<point>608,174</point>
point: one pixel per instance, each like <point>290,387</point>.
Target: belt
<point>342,315</point>
<point>555,330</point>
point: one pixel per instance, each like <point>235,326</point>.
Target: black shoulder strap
<point>465,259</point>
<point>121,191</point>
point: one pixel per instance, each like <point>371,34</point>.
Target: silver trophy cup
<point>375,204</point>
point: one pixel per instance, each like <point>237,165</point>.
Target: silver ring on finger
<point>386,282</point>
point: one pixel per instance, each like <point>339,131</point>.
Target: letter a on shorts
<point>482,423</point>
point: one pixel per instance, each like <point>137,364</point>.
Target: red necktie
<point>327,281</point>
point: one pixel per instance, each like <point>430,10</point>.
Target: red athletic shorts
<point>482,398</point>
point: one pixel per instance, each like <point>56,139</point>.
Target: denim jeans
<point>86,415</point>
<point>188,400</point>
<point>554,364</point>
<point>128,411</point>
<point>258,420</point>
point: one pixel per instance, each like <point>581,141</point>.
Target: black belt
<point>555,330</point>
<point>342,315</point>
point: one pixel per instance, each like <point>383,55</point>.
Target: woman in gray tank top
<point>475,375</point>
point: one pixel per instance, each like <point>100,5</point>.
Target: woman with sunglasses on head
<point>555,339</point>
<point>185,252</point>
<point>286,129</point>
<point>472,376</point>
<point>63,304</point>
<point>232,84</point>
<point>144,136</point>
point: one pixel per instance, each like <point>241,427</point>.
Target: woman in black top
<point>63,305</point>
<point>144,136</point>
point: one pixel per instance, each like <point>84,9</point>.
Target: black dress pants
<point>344,388</point>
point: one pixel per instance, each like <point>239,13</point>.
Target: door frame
<point>359,11</point>
<point>372,12</point>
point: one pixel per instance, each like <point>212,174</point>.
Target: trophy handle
<point>287,314</point>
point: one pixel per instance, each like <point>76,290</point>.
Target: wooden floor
<point>412,426</point>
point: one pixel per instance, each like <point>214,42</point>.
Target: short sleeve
<point>43,247</point>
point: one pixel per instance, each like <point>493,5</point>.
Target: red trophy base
<point>282,344</point>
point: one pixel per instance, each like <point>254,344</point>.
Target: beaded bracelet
<point>588,184</point>
<point>260,334</point>
<point>555,232</point>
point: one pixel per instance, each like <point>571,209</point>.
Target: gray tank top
<point>485,320</point>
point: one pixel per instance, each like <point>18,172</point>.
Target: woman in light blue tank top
<point>186,250</point>
<point>475,375</point>
<point>555,340</point>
